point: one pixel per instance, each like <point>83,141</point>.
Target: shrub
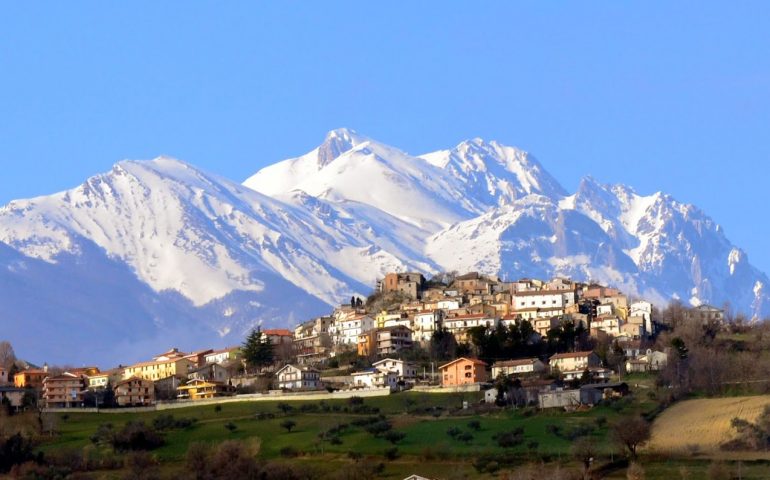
<point>217,408</point>
<point>15,450</point>
<point>168,422</point>
<point>391,453</point>
<point>289,452</point>
<point>140,466</point>
<point>288,425</point>
<point>231,427</point>
<point>355,401</point>
<point>453,432</point>
<point>600,422</point>
<point>394,436</point>
<point>465,437</point>
<point>510,439</point>
<point>135,435</point>
<point>378,428</point>
<point>353,455</point>
<point>474,425</point>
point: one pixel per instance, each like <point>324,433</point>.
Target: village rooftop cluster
<point>389,342</point>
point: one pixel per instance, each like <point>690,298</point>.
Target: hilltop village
<point>552,344</point>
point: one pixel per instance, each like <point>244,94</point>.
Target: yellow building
<point>159,369</point>
<point>30,378</point>
<point>199,389</point>
<point>366,343</point>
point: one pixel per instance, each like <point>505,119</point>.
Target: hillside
<point>160,247</point>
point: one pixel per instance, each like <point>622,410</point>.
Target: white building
<point>522,366</point>
<point>605,309</point>
<point>375,378</point>
<point>609,325</point>
<point>405,370</point>
<point>222,356</point>
<point>347,331</point>
<point>291,377</point>
<point>642,309</point>
<point>448,304</point>
<point>424,324</point>
<point>461,323</point>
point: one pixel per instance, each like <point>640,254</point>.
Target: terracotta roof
<point>514,363</point>
<point>282,332</point>
<point>571,355</point>
<point>475,361</point>
<point>132,379</point>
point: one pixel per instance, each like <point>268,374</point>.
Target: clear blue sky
<point>671,96</point>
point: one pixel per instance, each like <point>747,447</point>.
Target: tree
<point>257,349</point>
<point>7,355</point>
<point>584,451</point>
<point>394,436</point>
<point>288,425</point>
<point>631,433</point>
<point>442,344</point>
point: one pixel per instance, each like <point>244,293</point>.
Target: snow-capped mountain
<point>158,252</point>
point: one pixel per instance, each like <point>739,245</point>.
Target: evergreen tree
<point>257,349</point>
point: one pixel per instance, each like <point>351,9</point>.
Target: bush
<point>391,453</point>
<point>135,435</point>
<point>168,422</point>
<point>217,408</point>
<point>289,452</point>
<point>231,427</point>
<point>15,450</point>
<point>140,466</point>
<point>394,437</point>
<point>474,425</point>
<point>288,425</point>
<point>600,422</point>
<point>353,455</point>
<point>510,439</point>
<point>378,428</point>
<point>465,437</point>
<point>453,432</point>
<point>309,408</point>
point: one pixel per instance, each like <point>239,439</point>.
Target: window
<point>468,375</point>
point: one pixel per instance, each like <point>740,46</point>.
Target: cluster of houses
<point>471,300</point>
<point>468,301</point>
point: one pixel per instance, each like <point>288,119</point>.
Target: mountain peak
<point>336,143</point>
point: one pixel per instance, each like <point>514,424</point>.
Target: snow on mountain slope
<point>155,246</point>
<point>494,174</point>
<point>284,176</point>
<point>178,228</point>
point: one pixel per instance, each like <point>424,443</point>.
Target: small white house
<point>405,370</point>
<point>374,378</point>
<point>292,377</point>
<point>522,366</point>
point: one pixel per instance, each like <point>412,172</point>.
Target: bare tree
<point>584,451</point>
<point>7,355</point>
<point>631,433</point>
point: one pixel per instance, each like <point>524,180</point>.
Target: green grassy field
<point>426,448</point>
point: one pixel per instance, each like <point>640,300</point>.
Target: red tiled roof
<point>475,361</point>
<point>281,332</point>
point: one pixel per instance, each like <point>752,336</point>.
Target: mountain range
<point>159,253</point>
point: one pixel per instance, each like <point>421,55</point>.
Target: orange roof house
<point>463,371</point>
<point>30,378</point>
